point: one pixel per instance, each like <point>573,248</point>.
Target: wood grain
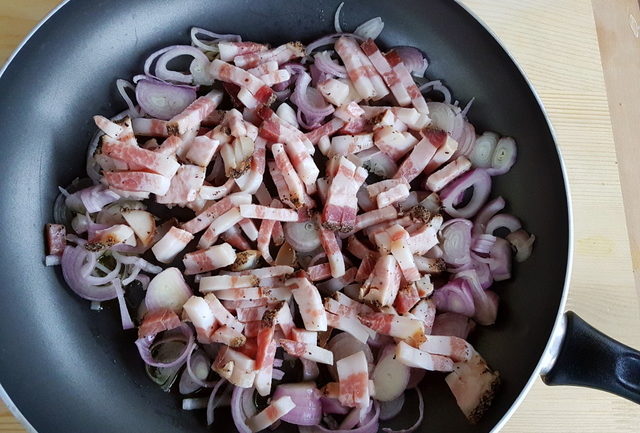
<point>620,51</point>
<point>556,44</point>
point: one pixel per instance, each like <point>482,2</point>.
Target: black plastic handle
<point>589,358</point>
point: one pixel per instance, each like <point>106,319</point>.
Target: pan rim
<point>558,327</point>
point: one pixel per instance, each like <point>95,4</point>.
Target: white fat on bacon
<point>307,351</point>
<point>405,328</point>
<point>202,150</point>
<point>220,225</point>
<point>360,70</point>
<point>412,357</point>
<point>198,110</point>
<point>234,366</point>
<point>309,303</point>
<point>268,213</point>
<point>294,184</point>
<point>473,384</point>
<point>137,181</point>
<point>345,318</point>
<point>334,91</point>
<point>231,49</point>
<point>222,315</point>
<point>199,313</point>
<point>442,177</point>
<point>168,247</point>
<point>237,156</point>
<point>426,237</point>
<point>349,144</point>
<point>402,253</point>
<point>446,149</point>
<point>149,127</point>
<point>280,55</point>
<point>184,185</point>
<point>215,257</point>
<point>453,347</point>
<point>392,142</point>
<point>272,413</point>
<point>229,336</point>
<point>381,287</point>
<point>221,282</point>
<point>204,218</point>
<point>353,379</point>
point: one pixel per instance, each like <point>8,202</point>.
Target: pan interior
<point>72,369</point>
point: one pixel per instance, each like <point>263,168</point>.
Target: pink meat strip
<point>232,74</point>
<point>233,236</point>
<point>441,178</point>
<point>202,220</point>
<point>285,168</point>
<point>360,70</point>
<point>375,216</point>
<point>280,55</point>
<point>405,78</point>
<point>191,117</point>
<point>250,181</point>
<point>298,146</point>
<point>231,49</point>
<point>268,213</point>
<point>184,185</point>
<point>138,181</point>
<point>210,259</point>
<point>140,158</point>
<point>149,127</point>
<point>329,128</point>
<point>421,154</point>
<point>332,250</point>
<point>389,76</point>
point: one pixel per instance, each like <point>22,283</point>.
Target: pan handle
<point>587,357</point>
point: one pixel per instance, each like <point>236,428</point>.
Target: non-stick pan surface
<point>70,369</point>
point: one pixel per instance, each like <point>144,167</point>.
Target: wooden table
<point>556,42</point>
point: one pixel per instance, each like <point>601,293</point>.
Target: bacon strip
<point>168,247</point>
<point>445,151</point>
<point>353,377</point>
<point>202,220</point>
<point>375,216</point>
<point>248,293</point>
<point>231,49</point>
<point>56,239</point>
<point>426,237</point>
<point>394,143</point>
<point>307,351</point>
<point>401,71</point>
<point>402,253</point>
<point>309,302</point>
<point>265,374</point>
<point>140,158</point>
<point>217,256</point>
<point>191,117</point>
<point>268,213</point>
<point>219,225</point>
<point>412,357</point>
<point>221,314</point>
<point>137,181</point>
<point>420,156</point>
<point>319,272</point>
<point>360,70</point>
<point>328,128</point>
<point>221,282</point>
<point>199,313</point>
<point>382,286</point>
<point>294,184</point>
<point>149,127</point>
<point>236,367</point>
<point>184,185</point>
<point>402,327</point>
<point>250,181</point>
<point>281,54</point>
<point>232,74</point>
<point>233,236</point>
<point>228,336</point>
<point>441,178</point>
<point>389,76</point>
<point>298,146</point>
<point>333,252</point>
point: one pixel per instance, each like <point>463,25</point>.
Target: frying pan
<point>70,369</point>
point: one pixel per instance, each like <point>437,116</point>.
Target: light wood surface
<point>556,44</point>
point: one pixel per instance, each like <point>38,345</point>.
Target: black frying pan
<point>69,369</point>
